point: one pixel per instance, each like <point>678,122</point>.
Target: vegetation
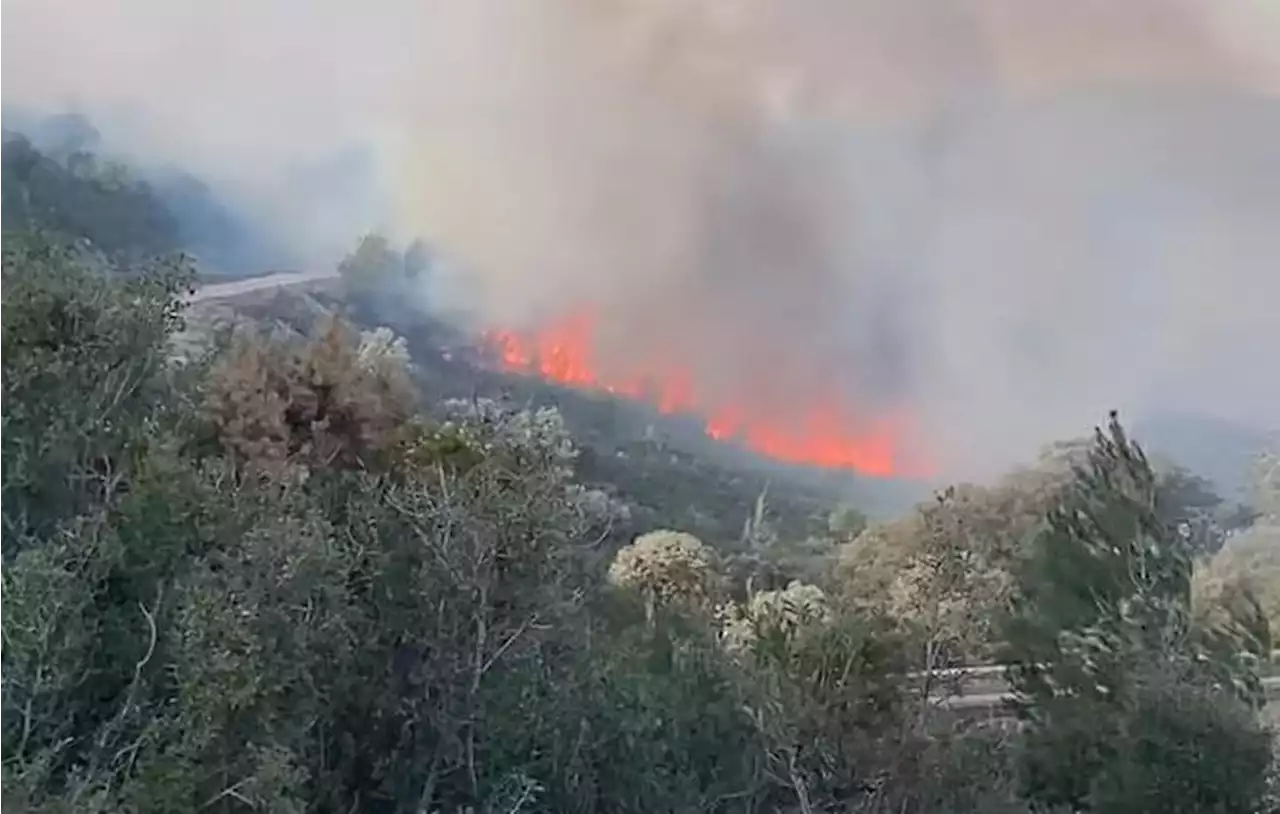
<point>279,578</point>
<point>1115,683</point>
<point>87,198</point>
<point>57,179</point>
<point>263,581</point>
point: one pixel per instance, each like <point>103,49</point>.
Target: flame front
<point>824,431</point>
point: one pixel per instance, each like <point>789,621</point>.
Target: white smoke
<point>1010,214</point>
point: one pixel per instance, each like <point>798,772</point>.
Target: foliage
<point>1105,596</point>
<point>86,380</point>
<point>84,198</point>
<point>666,568</point>
<point>1188,746</point>
<point>1249,562</point>
<point>948,568</point>
<point>1189,504</point>
<point>819,691</point>
<point>377,267</point>
<point>373,260</point>
<point>331,402</point>
<point>774,613</point>
<point>846,522</point>
<point>346,605</point>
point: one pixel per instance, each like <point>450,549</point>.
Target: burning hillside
<point>815,426</point>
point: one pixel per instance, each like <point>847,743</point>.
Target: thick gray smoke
<point>1001,216</point>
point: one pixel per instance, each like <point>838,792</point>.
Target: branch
<point>151,642</point>
<point>27,709</point>
<point>506,645</point>
<point>110,730</point>
<point>229,791</point>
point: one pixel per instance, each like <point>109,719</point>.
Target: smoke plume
<point>983,222</point>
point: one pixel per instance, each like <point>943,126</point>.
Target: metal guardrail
<point>995,701</point>
<point>979,670</point>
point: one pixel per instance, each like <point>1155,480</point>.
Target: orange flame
<point>827,432</point>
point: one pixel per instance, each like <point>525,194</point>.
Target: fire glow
<point>825,432</point>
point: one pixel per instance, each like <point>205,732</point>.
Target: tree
<point>86,378</point>
<point>1189,504</point>
<point>954,587</point>
<point>181,637</point>
<point>84,198</point>
<point>816,685</point>
<point>1249,560</point>
<point>373,263</point>
<point>946,568</point>
<point>986,532</point>
<point>1101,634</point>
<point>1242,579</point>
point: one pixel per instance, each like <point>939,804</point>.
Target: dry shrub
<point>333,401</point>
<point>945,570</point>
<point>666,568</point>
<point>1251,559</point>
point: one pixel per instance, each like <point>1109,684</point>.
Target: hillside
<point>663,466</point>
<point>305,549</point>
<point>55,178</point>
<point>1225,452</point>
<point>279,566</point>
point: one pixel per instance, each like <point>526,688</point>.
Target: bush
<point>1184,745</point>
<point>336,401</point>
<point>666,568</point>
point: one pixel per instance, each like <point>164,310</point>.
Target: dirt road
<point>235,288</point>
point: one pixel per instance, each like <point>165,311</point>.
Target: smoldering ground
<point>1001,216</point>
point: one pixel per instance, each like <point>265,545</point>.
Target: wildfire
<point>825,431</point>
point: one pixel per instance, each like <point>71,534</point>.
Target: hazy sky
<point>1010,215</point>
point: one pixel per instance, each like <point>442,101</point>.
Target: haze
<point>1001,216</point>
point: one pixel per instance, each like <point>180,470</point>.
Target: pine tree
<point>1101,638</point>
<point>1105,574</point>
